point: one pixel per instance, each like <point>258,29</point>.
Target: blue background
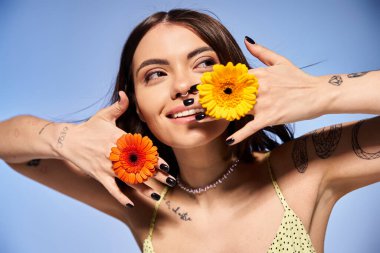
<point>58,57</point>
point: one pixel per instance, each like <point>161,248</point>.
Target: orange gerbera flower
<point>134,158</point>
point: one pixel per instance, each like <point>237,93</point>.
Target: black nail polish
<point>171,182</point>
<point>188,101</point>
<point>118,98</point>
<point>250,40</point>
<point>230,141</point>
<point>193,89</point>
<point>129,205</point>
<point>164,167</point>
<point>34,163</point>
<point>155,196</point>
<point>200,116</point>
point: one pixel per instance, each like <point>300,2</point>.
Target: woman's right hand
<point>88,146</point>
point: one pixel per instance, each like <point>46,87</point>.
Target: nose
<point>192,90</point>
<point>183,87</point>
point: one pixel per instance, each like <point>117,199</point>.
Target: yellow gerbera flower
<point>228,92</point>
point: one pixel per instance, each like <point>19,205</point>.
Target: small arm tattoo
<point>182,215</point>
<point>299,154</point>
<point>326,141</point>
<point>62,136</point>
<point>356,146</point>
<point>43,128</point>
<point>357,74</point>
<point>336,80</point>
<point>33,163</point>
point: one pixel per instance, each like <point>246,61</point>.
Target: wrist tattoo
<point>43,128</point>
<point>358,74</point>
<point>33,163</point>
<point>299,154</point>
<point>356,146</point>
<point>62,136</point>
<point>326,141</point>
<point>182,215</point>
<point>336,80</point>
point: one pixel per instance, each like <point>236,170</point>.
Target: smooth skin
<point>240,215</point>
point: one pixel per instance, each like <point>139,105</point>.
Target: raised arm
<point>347,154</point>
<point>70,158</point>
<point>287,94</point>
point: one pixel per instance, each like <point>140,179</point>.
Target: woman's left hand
<point>286,94</point>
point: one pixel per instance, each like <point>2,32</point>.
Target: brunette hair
<point>212,32</point>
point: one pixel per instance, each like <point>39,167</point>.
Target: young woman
<point>221,186</point>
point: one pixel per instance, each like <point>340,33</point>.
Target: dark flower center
<point>133,158</point>
<point>227,91</point>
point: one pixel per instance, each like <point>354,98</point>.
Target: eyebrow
<point>166,62</point>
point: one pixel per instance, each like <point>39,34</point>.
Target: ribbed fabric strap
<point>153,220</point>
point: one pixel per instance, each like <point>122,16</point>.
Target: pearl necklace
<point>212,185</point>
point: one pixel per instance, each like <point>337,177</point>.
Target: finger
<point>163,175</point>
<point>249,129</point>
<point>162,165</point>
<point>266,56</point>
<point>202,118</point>
<point>114,190</point>
<point>146,190</point>
<point>165,178</point>
<point>117,109</point>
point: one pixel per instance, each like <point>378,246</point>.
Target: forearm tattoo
<point>299,154</point>
<point>358,74</point>
<point>182,215</point>
<point>336,80</point>
<point>62,136</point>
<point>42,129</point>
<point>33,163</point>
<point>356,146</point>
<point>325,141</point>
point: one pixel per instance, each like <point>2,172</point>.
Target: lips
<point>181,112</point>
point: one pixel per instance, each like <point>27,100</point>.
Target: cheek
<point>150,104</point>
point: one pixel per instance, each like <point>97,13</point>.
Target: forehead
<point>166,40</point>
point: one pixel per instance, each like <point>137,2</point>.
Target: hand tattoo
<point>326,141</point>
<point>62,136</point>
<point>356,146</point>
<point>358,74</point>
<point>299,154</point>
<point>336,80</point>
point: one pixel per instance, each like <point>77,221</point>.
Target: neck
<point>202,165</point>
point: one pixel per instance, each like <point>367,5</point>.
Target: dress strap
<point>275,185</point>
<point>153,220</point>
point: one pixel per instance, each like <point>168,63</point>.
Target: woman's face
<point>169,60</point>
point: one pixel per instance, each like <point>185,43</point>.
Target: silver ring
<point>185,95</point>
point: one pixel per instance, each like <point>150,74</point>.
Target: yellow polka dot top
<point>291,237</point>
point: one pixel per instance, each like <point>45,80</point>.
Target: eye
<point>206,64</point>
<point>153,75</point>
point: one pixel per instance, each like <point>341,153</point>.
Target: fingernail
<point>200,116</point>
<point>118,98</point>
<point>164,167</point>
<point>188,102</point>
<point>129,205</point>
<point>250,40</point>
<point>193,89</point>
<point>34,163</point>
<point>230,141</point>
<point>171,182</point>
<point>155,196</point>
